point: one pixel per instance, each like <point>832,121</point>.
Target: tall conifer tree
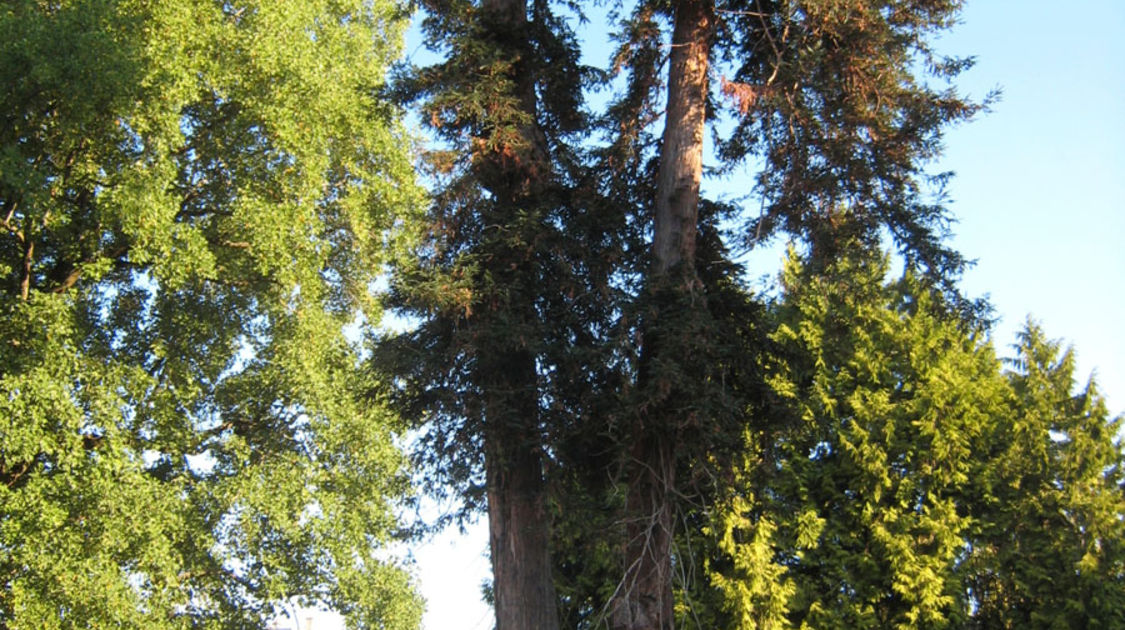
<point>511,284</point>
<point>644,599</point>
<point>826,97</point>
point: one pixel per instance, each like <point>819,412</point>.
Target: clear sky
<point>1040,187</point>
<point>1040,199</point>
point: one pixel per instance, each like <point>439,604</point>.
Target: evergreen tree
<point>511,286</point>
<point>859,512</point>
<point>195,198</point>
<point>1048,550</point>
<point>909,482</point>
<point>550,343</point>
<point>826,96</point>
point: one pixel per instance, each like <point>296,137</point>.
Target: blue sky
<point>1040,186</point>
<point>1040,201</point>
<point>1039,196</point>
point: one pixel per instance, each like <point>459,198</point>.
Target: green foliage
<point>515,266</point>
<point>195,197</point>
<point>833,103</point>
<point>852,470</point>
<point>532,284</point>
<point>1049,547</point>
<point>845,103</point>
<point>910,482</point>
<point>892,397</point>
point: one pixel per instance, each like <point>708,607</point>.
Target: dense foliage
<point>590,365</point>
<point>1047,549</point>
<point>514,287</point>
<point>195,199</point>
<point>198,412</point>
<point>836,108</point>
<point>920,485</point>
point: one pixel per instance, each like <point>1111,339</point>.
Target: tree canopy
<point>196,197</point>
<point>590,361</point>
<point>206,206</point>
<point>920,485</point>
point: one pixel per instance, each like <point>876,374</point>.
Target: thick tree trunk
<point>681,154</point>
<point>644,600</point>
<point>519,528</point>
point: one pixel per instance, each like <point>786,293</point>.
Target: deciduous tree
<point>195,197</point>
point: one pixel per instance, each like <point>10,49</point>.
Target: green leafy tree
<point>195,197</point>
<point>1048,550</point>
<point>859,511</point>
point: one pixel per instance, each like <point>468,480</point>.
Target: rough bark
<point>681,155</point>
<point>644,600</point>
<point>519,528</point>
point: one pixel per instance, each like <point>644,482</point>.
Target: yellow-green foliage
<point>196,196</point>
<point>921,486</point>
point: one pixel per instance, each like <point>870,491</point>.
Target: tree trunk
<point>644,600</point>
<point>681,154</point>
<point>519,528</point>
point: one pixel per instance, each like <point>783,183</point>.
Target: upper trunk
<point>644,600</point>
<point>681,155</point>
